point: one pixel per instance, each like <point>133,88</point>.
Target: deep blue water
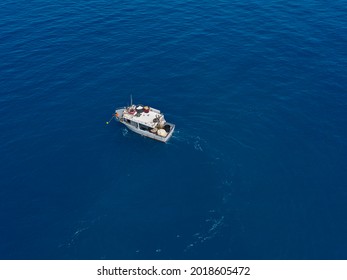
<point>257,166</point>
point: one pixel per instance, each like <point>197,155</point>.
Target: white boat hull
<point>150,134</point>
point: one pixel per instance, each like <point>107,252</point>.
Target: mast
<point>131,100</point>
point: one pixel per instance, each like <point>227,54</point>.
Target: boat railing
<point>155,110</point>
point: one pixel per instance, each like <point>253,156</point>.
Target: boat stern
<point>170,132</point>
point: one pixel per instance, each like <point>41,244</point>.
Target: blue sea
<point>257,165</point>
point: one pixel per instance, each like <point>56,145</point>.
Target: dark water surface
<point>257,166</point>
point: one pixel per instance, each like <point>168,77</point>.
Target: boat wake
<point>80,229</point>
<point>195,141</point>
<point>214,225</point>
<point>197,144</point>
<point>125,132</point>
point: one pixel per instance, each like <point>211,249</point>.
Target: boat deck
<point>147,119</point>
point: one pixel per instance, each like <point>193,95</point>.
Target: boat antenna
<point>131,100</point>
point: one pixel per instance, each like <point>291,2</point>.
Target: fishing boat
<point>146,121</point>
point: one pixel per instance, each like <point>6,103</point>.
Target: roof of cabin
<point>144,118</point>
